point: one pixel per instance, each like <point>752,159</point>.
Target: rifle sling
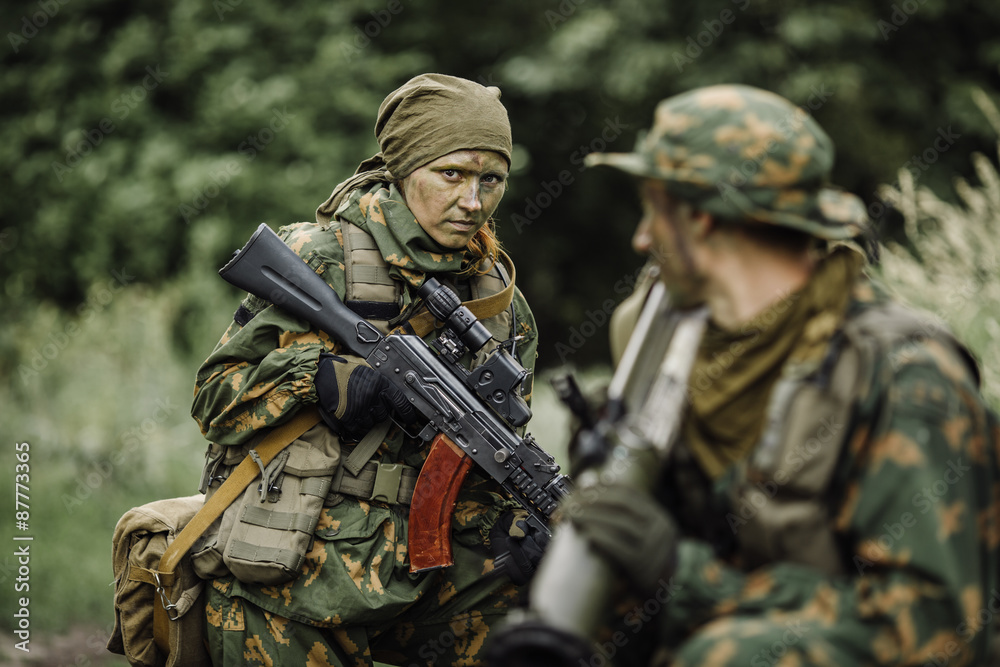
<point>491,306</point>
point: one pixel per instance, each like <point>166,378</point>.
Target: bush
<point>949,260</point>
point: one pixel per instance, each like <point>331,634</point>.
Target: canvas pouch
<point>263,537</point>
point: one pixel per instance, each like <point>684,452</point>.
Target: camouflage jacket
<point>913,503</point>
<point>261,373</point>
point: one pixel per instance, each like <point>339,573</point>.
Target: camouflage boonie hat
<point>739,152</point>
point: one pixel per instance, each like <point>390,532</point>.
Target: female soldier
<point>419,208</point>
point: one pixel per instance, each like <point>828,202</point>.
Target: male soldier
<point>832,498</point>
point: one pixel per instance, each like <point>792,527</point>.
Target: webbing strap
<point>363,485</point>
<point>161,626</point>
<point>248,470</point>
<point>366,449</point>
<point>485,308</point>
<point>348,242</point>
<point>141,574</point>
<point>315,486</point>
<point>258,516</point>
<point>259,554</point>
<point>360,239</point>
<point>372,274</point>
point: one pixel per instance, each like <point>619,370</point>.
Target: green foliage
<point>102,398</point>
<point>141,143</point>
<point>949,263</point>
<point>129,127</point>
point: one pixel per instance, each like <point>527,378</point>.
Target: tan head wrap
<point>429,116</point>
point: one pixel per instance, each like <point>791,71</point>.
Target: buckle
<point>168,606</point>
<point>387,479</point>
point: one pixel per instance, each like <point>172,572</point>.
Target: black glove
<point>629,528</point>
<point>353,397</point>
<point>517,547</point>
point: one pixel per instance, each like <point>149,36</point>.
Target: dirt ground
<point>83,646</point>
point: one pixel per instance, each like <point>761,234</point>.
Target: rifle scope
<point>444,305</point>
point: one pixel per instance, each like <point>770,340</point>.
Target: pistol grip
<point>433,503</point>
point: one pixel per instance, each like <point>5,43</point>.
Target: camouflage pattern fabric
<point>429,116</point>
<point>739,153</point>
<point>260,374</point>
<point>354,598</point>
<point>916,507</point>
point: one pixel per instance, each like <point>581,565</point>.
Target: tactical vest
<point>779,506</point>
<point>264,536</point>
<point>374,295</point>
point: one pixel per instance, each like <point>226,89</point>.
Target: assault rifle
<point>471,416</point>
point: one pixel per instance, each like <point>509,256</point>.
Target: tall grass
<point>102,396</point>
<point>950,264</point>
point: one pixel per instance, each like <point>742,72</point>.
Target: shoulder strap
<point>484,308</point>
<point>891,323</point>
<point>374,295</point>
<point>248,470</point>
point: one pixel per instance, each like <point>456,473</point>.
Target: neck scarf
<point>734,371</point>
<point>408,250</point>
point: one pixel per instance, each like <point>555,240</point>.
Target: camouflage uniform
<point>910,497</point>
<point>354,599</point>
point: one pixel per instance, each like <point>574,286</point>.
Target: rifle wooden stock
<point>433,501</point>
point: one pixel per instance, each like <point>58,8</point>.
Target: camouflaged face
<point>739,152</point>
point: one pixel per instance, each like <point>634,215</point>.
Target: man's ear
<point>702,224</point>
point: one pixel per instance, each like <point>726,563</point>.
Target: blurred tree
<point>139,137</point>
